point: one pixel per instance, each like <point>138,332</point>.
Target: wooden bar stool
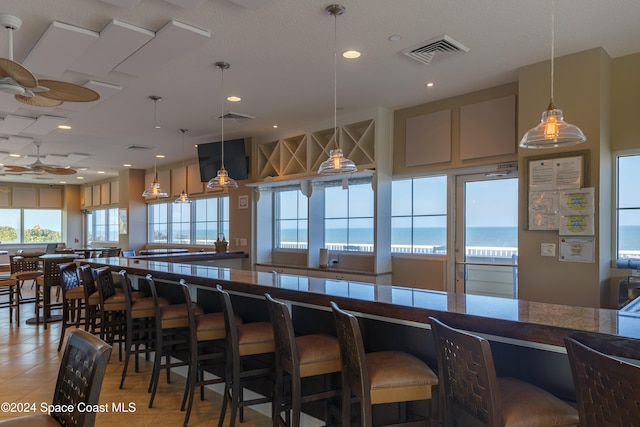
<point>72,298</point>
<point>11,289</point>
<point>91,298</point>
<point>171,336</point>
<point>475,396</point>
<point>140,324</point>
<point>379,377</point>
<point>112,309</point>
<point>243,341</point>
<point>207,348</point>
<point>607,388</point>
<point>300,357</point>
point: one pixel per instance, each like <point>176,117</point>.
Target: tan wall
<point>582,85</point>
<point>625,89</point>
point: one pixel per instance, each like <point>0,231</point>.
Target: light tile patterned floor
<point>29,364</point>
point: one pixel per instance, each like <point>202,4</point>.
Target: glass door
<point>486,239</point>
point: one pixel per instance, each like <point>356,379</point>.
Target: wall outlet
<point>243,242</point>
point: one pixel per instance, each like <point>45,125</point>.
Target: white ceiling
<point>281,56</point>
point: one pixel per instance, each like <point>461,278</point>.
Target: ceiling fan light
<point>222,181</point>
<point>552,132</point>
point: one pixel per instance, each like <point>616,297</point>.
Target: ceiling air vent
<point>236,116</point>
<point>425,51</point>
<point>137,147</point>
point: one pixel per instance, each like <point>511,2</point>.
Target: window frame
<point>615,227</point>
<point>436,250</point>
<point>221,220</point>
<point>277,220</point>
<point>20,231</point>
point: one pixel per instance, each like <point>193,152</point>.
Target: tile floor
<point>29,364</point>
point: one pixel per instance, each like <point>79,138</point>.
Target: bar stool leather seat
<point>318,354</point>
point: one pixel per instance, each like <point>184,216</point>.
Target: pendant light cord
<point>222,116</point>
<point>335,79</point>
<point>553,43</point>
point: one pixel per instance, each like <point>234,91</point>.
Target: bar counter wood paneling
<point>531,323</point>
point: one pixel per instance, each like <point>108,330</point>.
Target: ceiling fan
<point>20,82</point>
<point>39,168</point>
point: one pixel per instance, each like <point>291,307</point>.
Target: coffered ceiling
<point>281,56</point>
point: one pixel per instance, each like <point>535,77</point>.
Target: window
<point>419,215</point>
<point>348,218</point>
<point>291,219</point>
<point>30,225</point>
<point>211,219</point>
<point>628,209</point>
<point>196,223</point>
<point>102,225</point>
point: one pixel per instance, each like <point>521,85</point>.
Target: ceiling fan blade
<point>57,171</point>
<point>63,91</point>
<point>17,72</point>
<point>15,168</point>
<point>37,100</point>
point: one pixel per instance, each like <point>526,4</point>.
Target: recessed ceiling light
<point>79,177</point>
<point>160,156</point>
<point>64,127</point>
<point>394,38</point>
<point>100,171</point>
<point>63,182</point>
<point>351,54</point>
<point>127,165</point>
<point>195,145</point>
<point>15,155</point>
<point>275,126</point>
<point>234,98</point>
<point>429,84</point>
<point>82,169</point>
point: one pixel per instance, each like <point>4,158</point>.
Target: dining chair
<point>78,386</point>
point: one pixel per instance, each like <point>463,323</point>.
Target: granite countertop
<point>516,319</point>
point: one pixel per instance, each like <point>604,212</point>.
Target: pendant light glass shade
<point>553,131</point>
<point>222,181</point>
<point>183,197</point>
<point>336,163</point>
<point>154,189</point>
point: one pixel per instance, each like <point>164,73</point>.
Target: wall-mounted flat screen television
<point>236,161</point>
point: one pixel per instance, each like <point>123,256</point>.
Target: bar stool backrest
<point>283,335</point>
<point>69,275</point>
<point>354,368</point>
<point>106,286</point>
<point>607,388</point>
<point>467,376</point>
<point>51,271</point>
<point>88,281</point>
<point>233,342</point>
<point>20,264</point>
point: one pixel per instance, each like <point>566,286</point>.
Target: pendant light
<point>552,131</point>
<point>336,163</point>
<point>154,189</point>
<point>222,181</point>
<point>183,197</point>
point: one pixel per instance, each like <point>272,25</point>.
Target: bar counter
<point>531,323</point>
